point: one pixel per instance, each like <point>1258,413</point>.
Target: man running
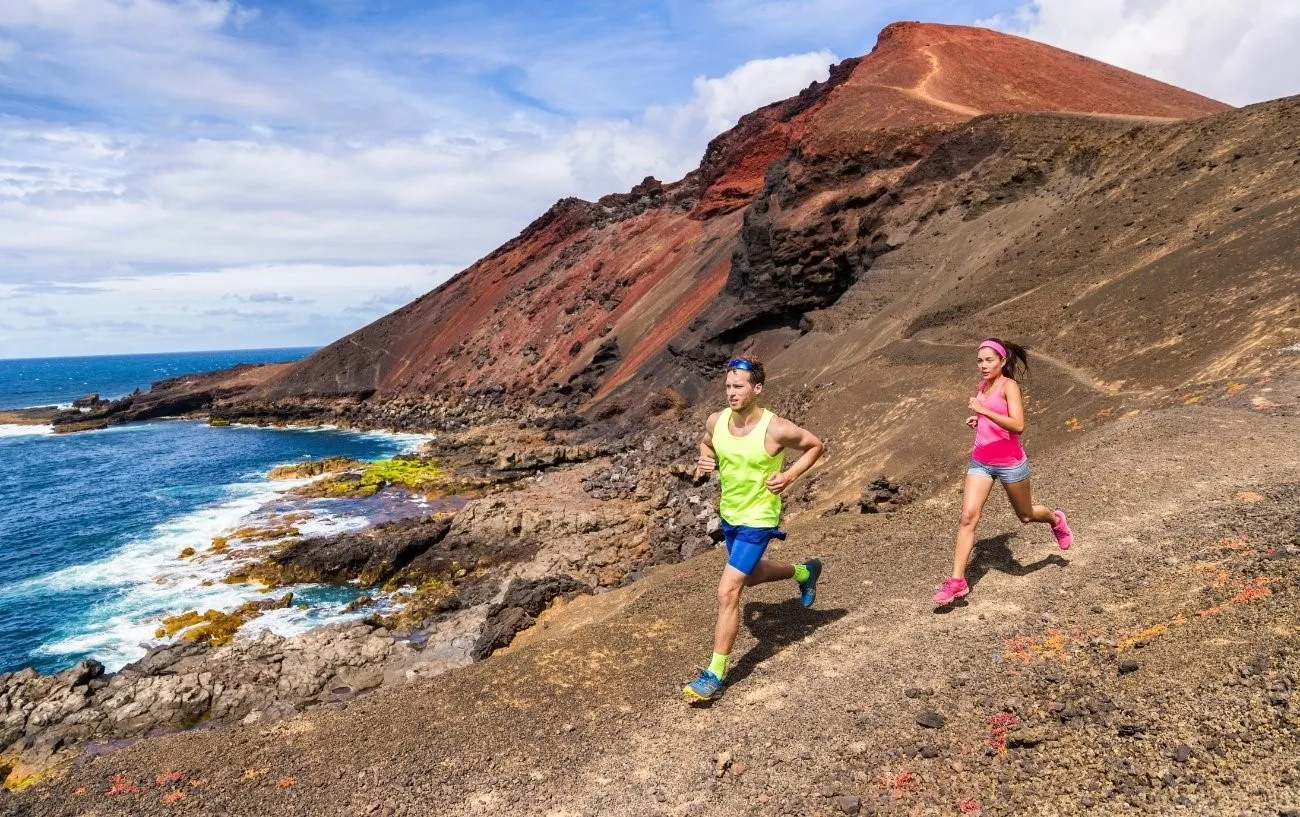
<point>746,445</point>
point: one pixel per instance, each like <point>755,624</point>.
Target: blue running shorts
<point>745,545</point>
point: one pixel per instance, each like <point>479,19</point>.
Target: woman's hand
<point>972,421</point>
<point>976,406</point>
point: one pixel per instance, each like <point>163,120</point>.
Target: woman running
<point>998,421</point>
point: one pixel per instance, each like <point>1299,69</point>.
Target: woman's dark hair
<point>1017,360</point>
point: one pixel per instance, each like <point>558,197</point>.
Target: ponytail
<point>1016,361</point>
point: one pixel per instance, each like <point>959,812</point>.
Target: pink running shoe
<point>1061,530</point>
<point>951,590</point>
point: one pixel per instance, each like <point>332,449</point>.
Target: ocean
<point>92,524</point>
<point>52,381</point>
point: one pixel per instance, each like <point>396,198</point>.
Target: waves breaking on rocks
<point>108,607</point>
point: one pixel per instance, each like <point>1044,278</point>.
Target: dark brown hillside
<point>1150,256</point>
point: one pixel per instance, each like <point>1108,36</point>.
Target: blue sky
<point>193,174</point>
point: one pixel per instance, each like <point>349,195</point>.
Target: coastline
<point>435,592</point>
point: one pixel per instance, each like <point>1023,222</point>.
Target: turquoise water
<point>91,524</point>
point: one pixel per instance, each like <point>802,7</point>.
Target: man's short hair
<point>748,364</point>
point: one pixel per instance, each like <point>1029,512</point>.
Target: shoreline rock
<point>266,677</point>
<point>464,583</point>
<point>37,416</point>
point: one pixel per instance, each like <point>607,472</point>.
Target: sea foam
<point>15,430</point>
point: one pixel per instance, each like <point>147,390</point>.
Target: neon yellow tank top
<point>743,467</point>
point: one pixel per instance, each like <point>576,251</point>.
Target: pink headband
<point>995,346</point>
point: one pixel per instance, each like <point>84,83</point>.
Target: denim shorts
<point>1007,473</point>
<point>745,544</point>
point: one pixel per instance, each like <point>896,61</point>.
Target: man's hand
<point>705,465</point>
<point>972,421</point>
<point>778,481</point>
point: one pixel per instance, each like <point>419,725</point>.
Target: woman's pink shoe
<point>1061,530</point>
<point>951,590</point>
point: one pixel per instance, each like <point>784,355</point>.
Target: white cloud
<point>164,165</point>
<point>101,220</point>
<point>273,304</point>
<point>157,51</point>
<point>1238,52</point>
<point>719,102</point>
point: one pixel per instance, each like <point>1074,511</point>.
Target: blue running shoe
<point>706,687</point>
<point>808,589</point>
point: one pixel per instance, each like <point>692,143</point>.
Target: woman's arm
<point>1014,419</point>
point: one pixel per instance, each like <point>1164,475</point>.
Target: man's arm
<point>708,461</point>
<point>788,435</point>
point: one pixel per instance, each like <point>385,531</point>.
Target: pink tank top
<point>994,445</point>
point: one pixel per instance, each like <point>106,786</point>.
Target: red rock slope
<point>591,294</point>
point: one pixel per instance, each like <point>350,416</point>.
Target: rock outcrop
<point>173,397</point>
<point>250,680</point>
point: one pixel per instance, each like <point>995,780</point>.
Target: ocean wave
<point>154,581</point>
<point>146,556</point>
<point>293,621</point>
<point>15,430</point>
<point>147,579</point>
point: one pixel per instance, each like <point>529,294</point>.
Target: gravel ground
<point>1151,669</point>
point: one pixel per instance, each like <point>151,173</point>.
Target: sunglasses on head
<point>737,363</point>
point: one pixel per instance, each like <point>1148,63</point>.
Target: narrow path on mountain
<point>1079,375</point>
<point>921,90</point>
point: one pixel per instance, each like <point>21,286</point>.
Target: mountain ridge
<point>624,277</point>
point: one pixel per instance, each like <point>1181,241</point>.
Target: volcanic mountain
<point>785,212</point>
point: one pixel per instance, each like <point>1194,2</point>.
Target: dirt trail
<point>823,703</point>
<point>1078,375</point>
<point>921,90</point>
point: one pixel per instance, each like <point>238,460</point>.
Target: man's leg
<point>744,552</point>
<point>708,685</point>
<point>805,574</point>
<point>769,570</point>
<point>745,567</point>
<point>724,633</point>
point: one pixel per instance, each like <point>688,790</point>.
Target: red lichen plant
<point>1247,592</point>
<point>999,725</point>
<point>898,784</point>
<point>120,784</point>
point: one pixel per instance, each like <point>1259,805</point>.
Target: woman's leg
<point>1018,493</point>
<point>973,496</point>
